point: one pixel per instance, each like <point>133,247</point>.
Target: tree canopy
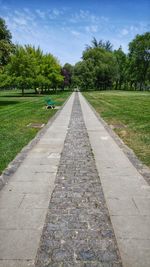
<point>30,68</point>
<point>6,46</point>
<point>139,59</point>
<point>103,68</point>
<point>97,68</point>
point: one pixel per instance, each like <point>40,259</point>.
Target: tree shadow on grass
<point>6,103</point>
<point>32,94</point>
<point>20,96</point>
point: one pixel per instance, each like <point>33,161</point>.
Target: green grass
<point>16,112</point>
<point>132,110</point>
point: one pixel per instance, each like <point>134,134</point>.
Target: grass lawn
<point>16,112</point>
<point>129,114</point>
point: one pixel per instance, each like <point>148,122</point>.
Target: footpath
<point>76,200</point>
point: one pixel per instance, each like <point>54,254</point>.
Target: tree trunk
<point>22,91</point>
<point>35,90</point>
<point>120,83</point>
<point>116,86</point>
<point>141,83</point>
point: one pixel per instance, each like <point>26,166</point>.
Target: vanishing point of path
<point>75,200</point>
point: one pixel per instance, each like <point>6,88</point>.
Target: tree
<point>97,70</point>
<point>51,69</point>
<point>121,60</point>
<point>30,68</point>
<point>100,44</point>
<point>83,76</point>
<point>21,68</point>
<point>139,60</point>
<point>6,46</point>
<point>67,72</point>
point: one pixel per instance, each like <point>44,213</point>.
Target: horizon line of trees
<point>101,67</point>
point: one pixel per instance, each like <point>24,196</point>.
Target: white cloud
<point>83,16</point>
<point>104,18</point>
<point>133,28</point>
<point>124,32</point>
<point>94,19</point>
<point>40,13</point>
<point>91,29</point>
<point>56,12</point>
<point>20,20</point>
<point>75,33</point>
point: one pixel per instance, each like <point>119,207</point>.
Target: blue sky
<point>64,27</point>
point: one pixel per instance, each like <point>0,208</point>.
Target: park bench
<point>50,103</point>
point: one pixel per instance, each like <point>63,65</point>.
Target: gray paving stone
<point>32,201</point>
<point>135,226</point>
<point>20,219</point>
<point>45,161</point>
<point>18,244</point>
<point>27,187</point>
<point>10,199</point>
<point>78,231</point>
<point>139,253</point>
<point>143,205</point>
<point>122,206</point>
<point>16,263</point>
<point>45,177</point>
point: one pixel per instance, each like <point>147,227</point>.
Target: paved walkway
<point>78,230</point>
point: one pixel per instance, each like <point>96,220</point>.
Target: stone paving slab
<point>130,255</point>
<point>16,263</point>
<point>122,207</point>
<point>22,219</point>
<point>126,192</point>
<point>143,205</point>
<point>24,199</point>
<point>18,244</point>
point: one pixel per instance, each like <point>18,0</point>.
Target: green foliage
<point>139,60</point>
<point>6,46</point>
<point>121,60</point>
<point>100,44</point>
<point>102,68</point>
<point>97,70</point>
<point>29,68</point>
<point>67,72</point>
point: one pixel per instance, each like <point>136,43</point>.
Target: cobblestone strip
<point>77,231</point>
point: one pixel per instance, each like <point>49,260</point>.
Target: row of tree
<point>25,66</point>
<point>101,67</point>
<point>30,68</point>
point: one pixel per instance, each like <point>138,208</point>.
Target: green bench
<point>50,103</point>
